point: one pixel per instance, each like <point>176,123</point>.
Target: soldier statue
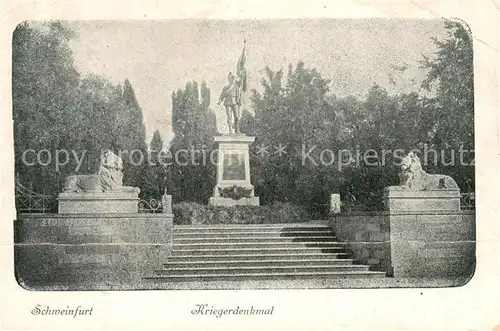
<point>231,98</point>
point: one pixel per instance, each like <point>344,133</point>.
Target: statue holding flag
<point>233,150</point>
<point>231,94</point>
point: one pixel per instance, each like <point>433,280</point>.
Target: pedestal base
<point>98,203</point>
<point>400,200</point>
<point>233,187</point>
<point>228,202</point>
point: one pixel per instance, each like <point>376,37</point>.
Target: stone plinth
<point>219,201</point>
<point>433,244</point>
<point>233,170</point>
<point>400,200</point>
<point>98,203</point>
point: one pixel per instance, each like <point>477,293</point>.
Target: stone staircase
<point>258,252</point>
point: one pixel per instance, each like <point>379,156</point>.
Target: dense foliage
<point>195,213</point>
<point>191,175</point>
<point>296,113</point>
<point>56,109</point>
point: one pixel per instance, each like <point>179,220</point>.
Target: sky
<point>159,57</point>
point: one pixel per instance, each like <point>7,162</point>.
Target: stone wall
<point>90,252</point>
<point>429,244</point>
<point>367,235</point>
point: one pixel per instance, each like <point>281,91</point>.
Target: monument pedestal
<point>233,185</point>
<point>400,200</point>
<point>98,203</point>
<point>429,236</point>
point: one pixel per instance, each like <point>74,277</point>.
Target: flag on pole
<point>240,69</point>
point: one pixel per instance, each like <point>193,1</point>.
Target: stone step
<point>261,240</point>
<point>261,244</point>
<point>257,262</point>
<point>241,252</point>
<point>258,269</point>
<point>260,255</point>
<point>249,228</point>
<point>248,234</point>
<point>256,250</point>
<point>267,276</point>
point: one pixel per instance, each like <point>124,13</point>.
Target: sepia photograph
<point>208,154</point>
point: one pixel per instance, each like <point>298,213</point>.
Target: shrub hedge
<point>194,213</point>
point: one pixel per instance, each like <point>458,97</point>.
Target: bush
<point>285,212</point>
<point>189,213</point>
<point>194,213</point>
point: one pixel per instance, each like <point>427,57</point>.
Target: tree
<point>153,181</point>
<point>156,144</point>
<point>450,118</point>
<point>56,109</point>
<point>292,114</point>
<point>44,89</point>
<point>192,176</point>
<point>131,137</point>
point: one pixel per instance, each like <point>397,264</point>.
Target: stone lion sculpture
<point>109,178</point>
<point>413,177</point>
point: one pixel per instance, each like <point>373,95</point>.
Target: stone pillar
<point>335,203</point>
<point>233,170</point>
<point>166,201</point>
